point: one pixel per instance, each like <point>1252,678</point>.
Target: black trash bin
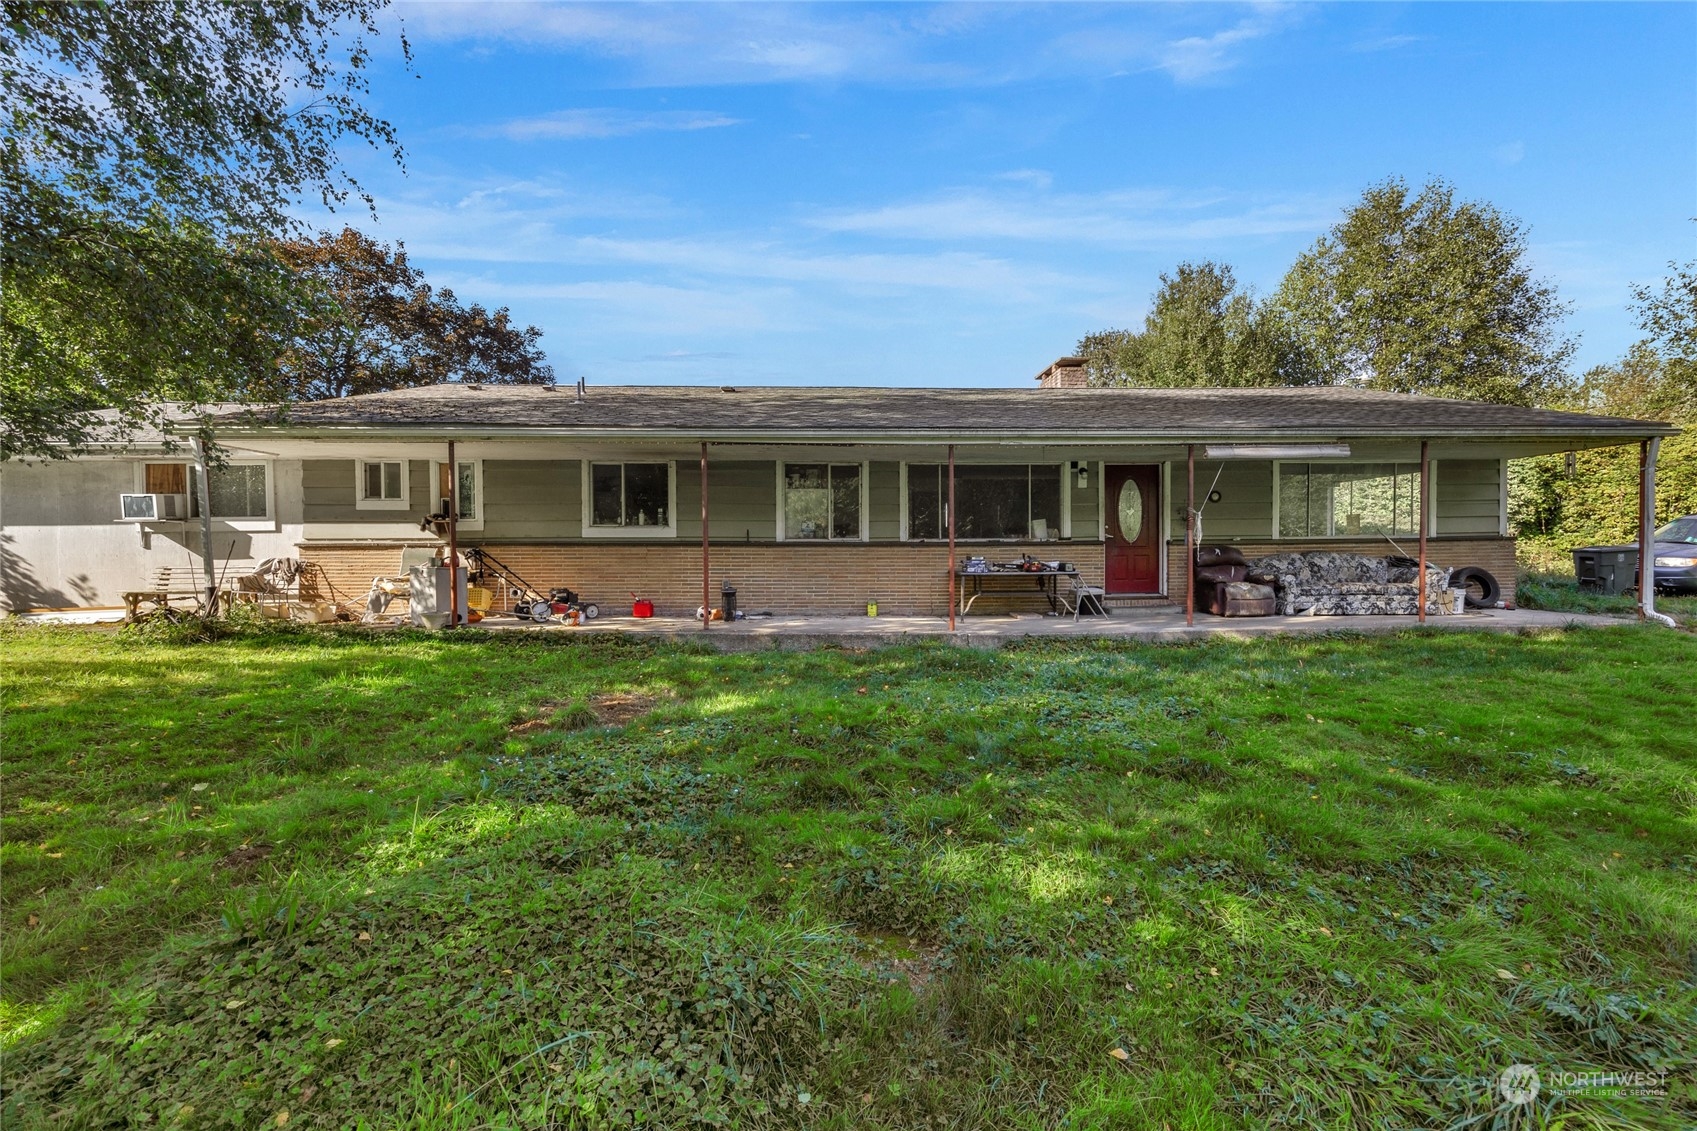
<point>1606,569</point>
<point>728,599</point>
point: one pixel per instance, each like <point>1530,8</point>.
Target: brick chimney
<point>1065,373</point>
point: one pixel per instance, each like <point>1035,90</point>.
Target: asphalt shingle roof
<point>860,413</point>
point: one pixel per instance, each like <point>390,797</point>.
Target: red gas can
<point>642,608</point>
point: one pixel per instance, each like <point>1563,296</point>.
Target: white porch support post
<point>210,602</point>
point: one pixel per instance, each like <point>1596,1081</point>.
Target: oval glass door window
<point>1131,510</point>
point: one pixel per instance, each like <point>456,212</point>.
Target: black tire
<point>591,611</point>
<point>1489,592</point>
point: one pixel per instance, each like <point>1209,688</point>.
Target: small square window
<point>383,479</point>
<point>381,484</point>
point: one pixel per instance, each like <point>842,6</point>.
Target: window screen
<point>238,491</point>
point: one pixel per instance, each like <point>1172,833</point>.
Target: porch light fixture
<point>1275,451</point>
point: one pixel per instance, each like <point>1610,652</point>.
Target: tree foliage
<point>1201,330</point>
<point>1668,315</point>
<point>381,326</point>
<point>148,150</point>
<point>1592,496</point>
<point>1424,294</point>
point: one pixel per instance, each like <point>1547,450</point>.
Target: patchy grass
<point>1561,593</point>
<point>457,881</point>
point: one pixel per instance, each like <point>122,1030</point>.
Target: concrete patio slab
<point>1147,624</point>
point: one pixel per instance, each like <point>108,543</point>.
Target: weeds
<point>416,880</point>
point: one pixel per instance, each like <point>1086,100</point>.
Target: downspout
<point>201,480</point>
<point>1648,450</point>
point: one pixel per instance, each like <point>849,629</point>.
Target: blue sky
<point>953,194</point>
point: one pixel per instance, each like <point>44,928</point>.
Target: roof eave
<point>1633,431</point>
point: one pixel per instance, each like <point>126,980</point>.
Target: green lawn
<point>471,881</point>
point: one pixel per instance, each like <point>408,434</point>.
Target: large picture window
<point>630,496</point>
<point>1340,500</point>
<point>822,501</point>
<point>1013,502</point>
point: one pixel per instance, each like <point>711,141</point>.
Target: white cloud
<point>1198,57</point>
<point>1510,154</point>
<point>1385,43</point>
<point>938,45</point>
<point>580,124</point>
<point>1037,178</point>
<point>1132,217</point>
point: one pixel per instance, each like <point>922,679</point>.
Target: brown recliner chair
<point>1222,589</point>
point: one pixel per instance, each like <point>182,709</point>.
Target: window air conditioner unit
<point>152,508</point>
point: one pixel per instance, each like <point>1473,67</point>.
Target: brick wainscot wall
<point>1493,554</point>
<point>784,578</point>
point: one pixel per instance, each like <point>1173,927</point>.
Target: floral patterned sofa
<point>1327,584</point>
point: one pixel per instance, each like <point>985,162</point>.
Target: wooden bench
<point>170,585</point>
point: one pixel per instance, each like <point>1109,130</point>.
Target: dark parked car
<point>1676,556</point>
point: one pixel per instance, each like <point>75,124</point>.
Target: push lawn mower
<point>531,603</point>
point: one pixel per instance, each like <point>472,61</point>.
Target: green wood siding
<point>327,493</point>
<point>1469,496</point>
<point>742,500</point>
<point>884,502</point>
<point>1245,509</point>
<point>1086,501</point>
<point>540,498</point>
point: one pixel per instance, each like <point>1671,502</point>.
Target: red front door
<point>1133,512</point>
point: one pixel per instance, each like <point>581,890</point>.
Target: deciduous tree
<point>149,149</point>
<point>1426,294</point>
<point>380,325</point>
<point>1201,330</point>
<point>1669,318</point>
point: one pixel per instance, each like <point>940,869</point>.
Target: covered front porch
<point>1146,622</point>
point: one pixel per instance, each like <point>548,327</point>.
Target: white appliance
<point>152,508</point>
<point>428,586</point>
